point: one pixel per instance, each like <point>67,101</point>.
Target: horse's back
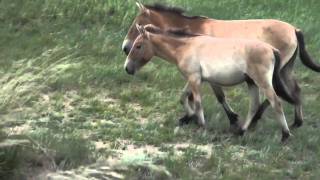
<point>279,34</point>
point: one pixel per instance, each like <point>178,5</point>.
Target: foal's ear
<point>140,6</point>
<point>152,28</point>
<point>141,29</point>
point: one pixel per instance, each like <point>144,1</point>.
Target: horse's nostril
<point>131,72</point>
<point>126,50</point>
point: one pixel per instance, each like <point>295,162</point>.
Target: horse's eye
<point>139,46</point>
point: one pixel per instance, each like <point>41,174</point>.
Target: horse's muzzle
<point>129,71</point>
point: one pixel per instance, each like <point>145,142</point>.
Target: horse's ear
<point>140,29</point>
<point>140,6</point>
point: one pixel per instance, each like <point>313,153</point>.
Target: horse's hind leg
<point>232,116</point>
<point>298,115</point>
<point>260,110</point>
<point>265,79</point>
<point>254,104</point>
<point>295,92</point>
<point>277,106</point>
<point>293,86</point>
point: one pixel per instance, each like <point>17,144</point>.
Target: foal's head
<point>141,51</point>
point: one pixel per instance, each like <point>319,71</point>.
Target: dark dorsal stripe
<point>174,10</point>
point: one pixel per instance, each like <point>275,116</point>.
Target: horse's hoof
<point>187,120</point>
<point>285,136</point>
<point>296,124</point>
<point>235,128</point>
<point>184,120</point>
<point>241,132</point>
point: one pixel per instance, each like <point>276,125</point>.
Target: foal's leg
<point>188,105</point>
<point>292,86</point>
<point>195,82</point>
<point>254,104</point>
<point>277,106</point>
<point>232,116</point>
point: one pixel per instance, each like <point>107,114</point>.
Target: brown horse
<point>219,61</point>
<point>280,35</point>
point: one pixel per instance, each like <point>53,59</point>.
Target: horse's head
<point>141,51</point>
<point>163,17</point>
<point>142,19</point>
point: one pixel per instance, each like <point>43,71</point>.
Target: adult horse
<point>281,35</point>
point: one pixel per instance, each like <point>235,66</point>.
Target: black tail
<point>304,55</point>
<point>277,81</point>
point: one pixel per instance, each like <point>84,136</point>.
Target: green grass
<point>61,74</point>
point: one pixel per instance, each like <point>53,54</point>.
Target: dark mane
<point>181,33</point>
<point>174,10</point>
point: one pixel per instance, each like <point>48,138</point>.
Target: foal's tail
<point>304,55</point>
<point>278,84</point>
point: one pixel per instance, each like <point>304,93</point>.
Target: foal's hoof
<point>236,129</point>
<point>184,120</point>
<point>240,132</point>
<point>296,124</point>
<point>285,136</point>
<point>187,120</point>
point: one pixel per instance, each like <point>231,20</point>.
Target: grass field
<point>68,109</point>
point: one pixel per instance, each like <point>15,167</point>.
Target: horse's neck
<point>166,47</point>
<point>194,25</point>
<point>201,26</point>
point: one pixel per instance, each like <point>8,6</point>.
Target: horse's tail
<point>278,84</point>
<point>304,55</point>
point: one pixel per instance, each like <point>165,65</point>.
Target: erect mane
<point>171,32</point>
<point>181,33</point>
<point>170,9</point>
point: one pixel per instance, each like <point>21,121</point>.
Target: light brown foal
<point>221,62</point>
<point>281,35</point>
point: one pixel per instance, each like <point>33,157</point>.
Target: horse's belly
<point>223,75</point>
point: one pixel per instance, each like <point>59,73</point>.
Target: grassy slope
<point>61,74</point>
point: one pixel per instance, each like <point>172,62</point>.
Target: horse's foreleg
<point>195,83</point>
<point>232,116</point>
<point>187,104</point>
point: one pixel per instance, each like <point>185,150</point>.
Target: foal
<point>221,62</point>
